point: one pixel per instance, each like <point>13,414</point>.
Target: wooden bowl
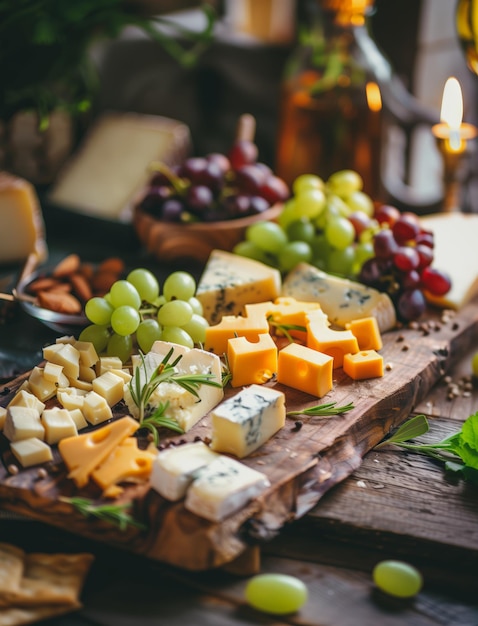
<point>170,241</point>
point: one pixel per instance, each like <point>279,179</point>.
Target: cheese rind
<point>230,281</point>
<point>223,488</point>
<point>243,423</point>
<point>341,300</point>
<point>175,468</point>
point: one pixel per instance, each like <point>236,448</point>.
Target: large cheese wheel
<point>22,230</point>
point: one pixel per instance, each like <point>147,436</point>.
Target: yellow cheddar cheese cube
<point>58,425</point>
<point>335,343</point>
<point>231,326</point>
<point>251,362</point>
<point>363,364</point>
<point>84,453</point>
<point>110,386</point>
<point>31,451</point>
<point>305,369</point>
<point>287,312</point>
<point>125,462</point>
<point>96,408</point>
<point>367,332</point>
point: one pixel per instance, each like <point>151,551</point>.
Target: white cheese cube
<point>31,451</point>
<point>79,419</point>
<point>71,398</point>
<point>52,372</point>
<point>42,388</point>
<point>105,363</point>
<point>27,399</point>
<point>23,423</point>
<point>87,373</point>
<point>96,409</point>
<point>110,386</point>
<point>68,357</point>
<point>58,425</point>
<point>223,488</point>
<point>242,423</point>
<point>88,354</point>
<point>175,468</point>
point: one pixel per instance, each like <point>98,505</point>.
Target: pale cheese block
<point>224,487</point>
<point>23,423</point>
<point>342,300</point>
<point>244,422</point>
<point>32,451</point>
<point>22,229</point>
<point>230,281</point>
<point>112,165</point>
<point>58,425</point>
<point>455,253</point>
<point>175,468</point>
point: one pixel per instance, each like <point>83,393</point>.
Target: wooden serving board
<point>302,462</point>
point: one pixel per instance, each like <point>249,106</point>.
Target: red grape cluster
<point>401,265</point>
<point>214,187</point>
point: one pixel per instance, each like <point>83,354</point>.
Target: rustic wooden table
<point>396,505</point>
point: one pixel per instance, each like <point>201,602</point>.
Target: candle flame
<point>374,97</point>
<point>452,104</point>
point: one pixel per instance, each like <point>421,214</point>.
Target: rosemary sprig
<point>158,420</point>
<point>113,513</point>
<point>166,372</point>
<point>323,410</point>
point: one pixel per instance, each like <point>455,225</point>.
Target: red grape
<point>435,281</point>
<point>384,244</point>
<point>274,189</point>
<point>406,258</point>
<point>411,304</point>
<point>406,228</point>
<point>243,152</point>
<point>387,214</point>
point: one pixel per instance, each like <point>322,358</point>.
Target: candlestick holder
<point>453,147</point>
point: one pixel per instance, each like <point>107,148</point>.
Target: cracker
<point>11,569</point>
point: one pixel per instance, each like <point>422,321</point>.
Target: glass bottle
<point>331,111</point>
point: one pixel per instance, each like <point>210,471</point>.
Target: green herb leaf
<point>321,410</point>
<point>114,513</point>
<point>412,428</point>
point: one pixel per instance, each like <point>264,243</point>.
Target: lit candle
<point>451,130</point>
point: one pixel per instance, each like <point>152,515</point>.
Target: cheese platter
<point>302,461</point>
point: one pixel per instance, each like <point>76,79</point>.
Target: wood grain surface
<point>303,464</point>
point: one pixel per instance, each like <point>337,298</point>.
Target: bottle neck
<point>347,13</point>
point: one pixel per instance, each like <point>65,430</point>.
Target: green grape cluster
<point>135,314</point>
<point>329,224</point>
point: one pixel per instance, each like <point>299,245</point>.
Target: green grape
<point>276,593</point>
<point>293,253</point>
<point>301,230</point>
<point>267,236</point>
<point>125,320</point>
<point>145,282</point>
<point>179,286</point>
<point>337,206</point>
<point>98,310</point>
<point>97,335</point>
<point>147,333</point>
<point>340,232</point>
<point>251,251</point>
<point>474,364</point>
<point>196,328</point>
<point>288,214</point>
<point>174,334</point>
<point>196,305</point>
<point>320,247</point>
<point>310,203</point>
<point>344,182</point>
<point>120,346</point>
<point>360,201</point>
<point>341,261</point>
<point>305,182</point>
<point>397,578</point>
<point>175,313</point>
<point>122,293</point>
<point>363,252</point>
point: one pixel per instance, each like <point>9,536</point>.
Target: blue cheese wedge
<point>181,405</point>
<point>342,300</point>
<point>230,281</point>
<point>175,468</point>
<point>224,487</point>
<point>243,423</point>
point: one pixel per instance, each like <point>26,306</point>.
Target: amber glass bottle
<point>331,112</point>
